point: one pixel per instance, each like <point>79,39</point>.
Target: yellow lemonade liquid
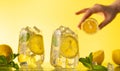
<point>64,48</point>
<point>30,48</point>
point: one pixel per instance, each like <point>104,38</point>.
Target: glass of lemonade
<point>30,48</point>
<point>64,48</point>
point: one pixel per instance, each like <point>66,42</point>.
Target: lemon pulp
<point>36,44</point>
<point>90,26</point>
<point>69,47</point>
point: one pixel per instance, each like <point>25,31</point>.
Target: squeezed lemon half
<point>90,26</point>
<point>98,56</point>
<point>69,47</point>
<point>36,44</point>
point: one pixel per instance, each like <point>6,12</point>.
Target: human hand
<point>109,13</point>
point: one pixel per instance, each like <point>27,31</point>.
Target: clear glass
<point>30,48</point>
<point>64,48</point>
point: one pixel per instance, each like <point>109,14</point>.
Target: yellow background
<point>48,15</point>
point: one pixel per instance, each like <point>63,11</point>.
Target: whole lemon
<point>98,56</point>
<point>5,50</point>
<point>116,56</point>
<point>117,68</point>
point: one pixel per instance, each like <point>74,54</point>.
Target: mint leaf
<point>3,60</point>
<point>85,62</point>
<point>13,56</point>
<point>12,63</point>
<point>90,58</point>
<point>99,68</point>
<point>16,66</point>
<point>5,63</point>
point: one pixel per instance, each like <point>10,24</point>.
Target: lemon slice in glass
<point>23,58</point>
<point>69,47</point>
<point>36,44</point>
<point>90,26</point>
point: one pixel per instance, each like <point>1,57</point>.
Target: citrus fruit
<point>90,26</point>
<point>32,62</point>
<point>98,56</point>
<point>5,50</point>
<point>116,56</point>
<point>117,68</point>
<point>69,47</point>
<point>23,58</point>
<point>36,44</point>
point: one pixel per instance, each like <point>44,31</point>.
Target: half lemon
<point>90,26</point>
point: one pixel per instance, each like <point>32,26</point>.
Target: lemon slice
<point>90,26</point>
<point>36,44</point>
<point>69,47</point>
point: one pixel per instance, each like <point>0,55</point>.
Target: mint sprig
<point>87,62</point>
<point>5,63</point>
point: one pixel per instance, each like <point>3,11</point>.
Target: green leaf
<point>16,66</point>
<point>90,57</point>
<point>99,68</point>
<point>13,56</point>
<point>85,62</point>
<point>3,60</point>
<point>12,64</point>
<point>4,63</point>
<point>88,60</point>
<point>82,60</point>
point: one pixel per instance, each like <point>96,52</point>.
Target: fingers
<point>89,11</point>
<point>104,23</point>
<point>82,11</point>
<point>87,14</point>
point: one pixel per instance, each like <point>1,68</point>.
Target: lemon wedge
<point>69,47</point>
<point>98,56</point>
<point>90,26</point>
<point>36,44</point>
